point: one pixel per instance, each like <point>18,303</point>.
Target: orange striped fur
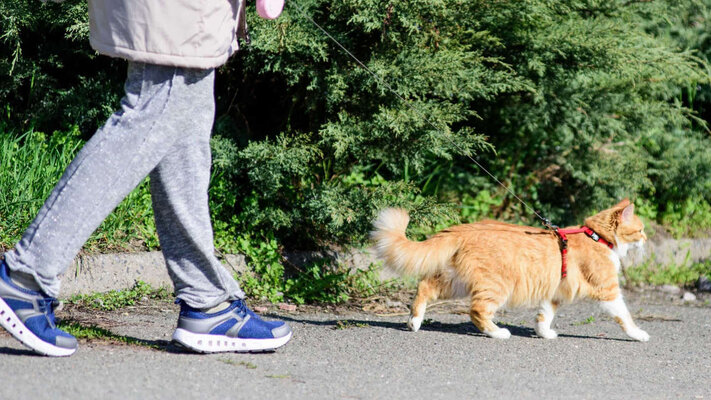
<point>497,264</point>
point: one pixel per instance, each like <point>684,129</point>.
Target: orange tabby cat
<point>497,264</point>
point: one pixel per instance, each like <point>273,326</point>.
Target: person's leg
<point>109,166</point>
<point>179,188</point>
<point>130,145</point>
<point>163,128</point>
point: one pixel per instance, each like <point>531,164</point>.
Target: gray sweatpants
<point>162,129</point>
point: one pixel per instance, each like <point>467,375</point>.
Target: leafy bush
<point>573,105</point>
<point>584,101</point>
<point>317,281</point>
<point>685,274</point>
<point>581,101</point>
<point>50,79</point>
<point>602,87</point>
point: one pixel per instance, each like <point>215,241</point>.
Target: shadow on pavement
<point>18,352</point>
<point>462,328</point>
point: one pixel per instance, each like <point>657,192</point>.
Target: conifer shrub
<point>573,105</point>
<point>50,79</point>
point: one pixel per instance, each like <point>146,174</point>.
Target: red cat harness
<point>564,243</point>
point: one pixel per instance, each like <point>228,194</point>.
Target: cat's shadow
<point>467,328</point>
<point>460,328</point>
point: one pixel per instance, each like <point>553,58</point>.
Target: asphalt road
<point>345,354</point>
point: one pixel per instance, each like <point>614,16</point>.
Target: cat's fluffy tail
<point>405,256</point>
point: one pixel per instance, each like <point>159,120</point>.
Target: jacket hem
<point>162,59</point>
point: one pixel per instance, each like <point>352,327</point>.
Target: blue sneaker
<point>29,317</point>
<point>236,328</point>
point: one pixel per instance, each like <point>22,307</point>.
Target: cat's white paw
<point>638,334</point>
<point>414,323</point>
<point>546,333</point>
<point>501,333</point>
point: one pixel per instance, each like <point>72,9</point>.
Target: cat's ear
<point>623,204</point>
<point>627,213</point>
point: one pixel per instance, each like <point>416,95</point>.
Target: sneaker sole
<point>203,343</point>
<point>13,324</point>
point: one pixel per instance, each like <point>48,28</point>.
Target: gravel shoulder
<point>363,351</point>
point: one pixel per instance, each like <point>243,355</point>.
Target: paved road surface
<point>357,355</point>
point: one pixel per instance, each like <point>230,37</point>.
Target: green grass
<point>32,163</point>
<point>687,219</point>
<point>654,274</point>
<point>346,324</point>
<point>588,320</point>
<point>280,376</point>
<point>117,299</point>
<point>245,364</point>
<point>93,332</point>
<point>691,218</point>
<point>320,281</point>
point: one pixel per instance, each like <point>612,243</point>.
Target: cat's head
<point>620,226</point>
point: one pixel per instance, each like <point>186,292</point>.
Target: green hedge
<point>572,104</point>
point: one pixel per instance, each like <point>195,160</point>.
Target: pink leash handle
<point>270,9</point>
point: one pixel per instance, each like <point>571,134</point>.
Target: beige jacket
<point>184,33</point>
